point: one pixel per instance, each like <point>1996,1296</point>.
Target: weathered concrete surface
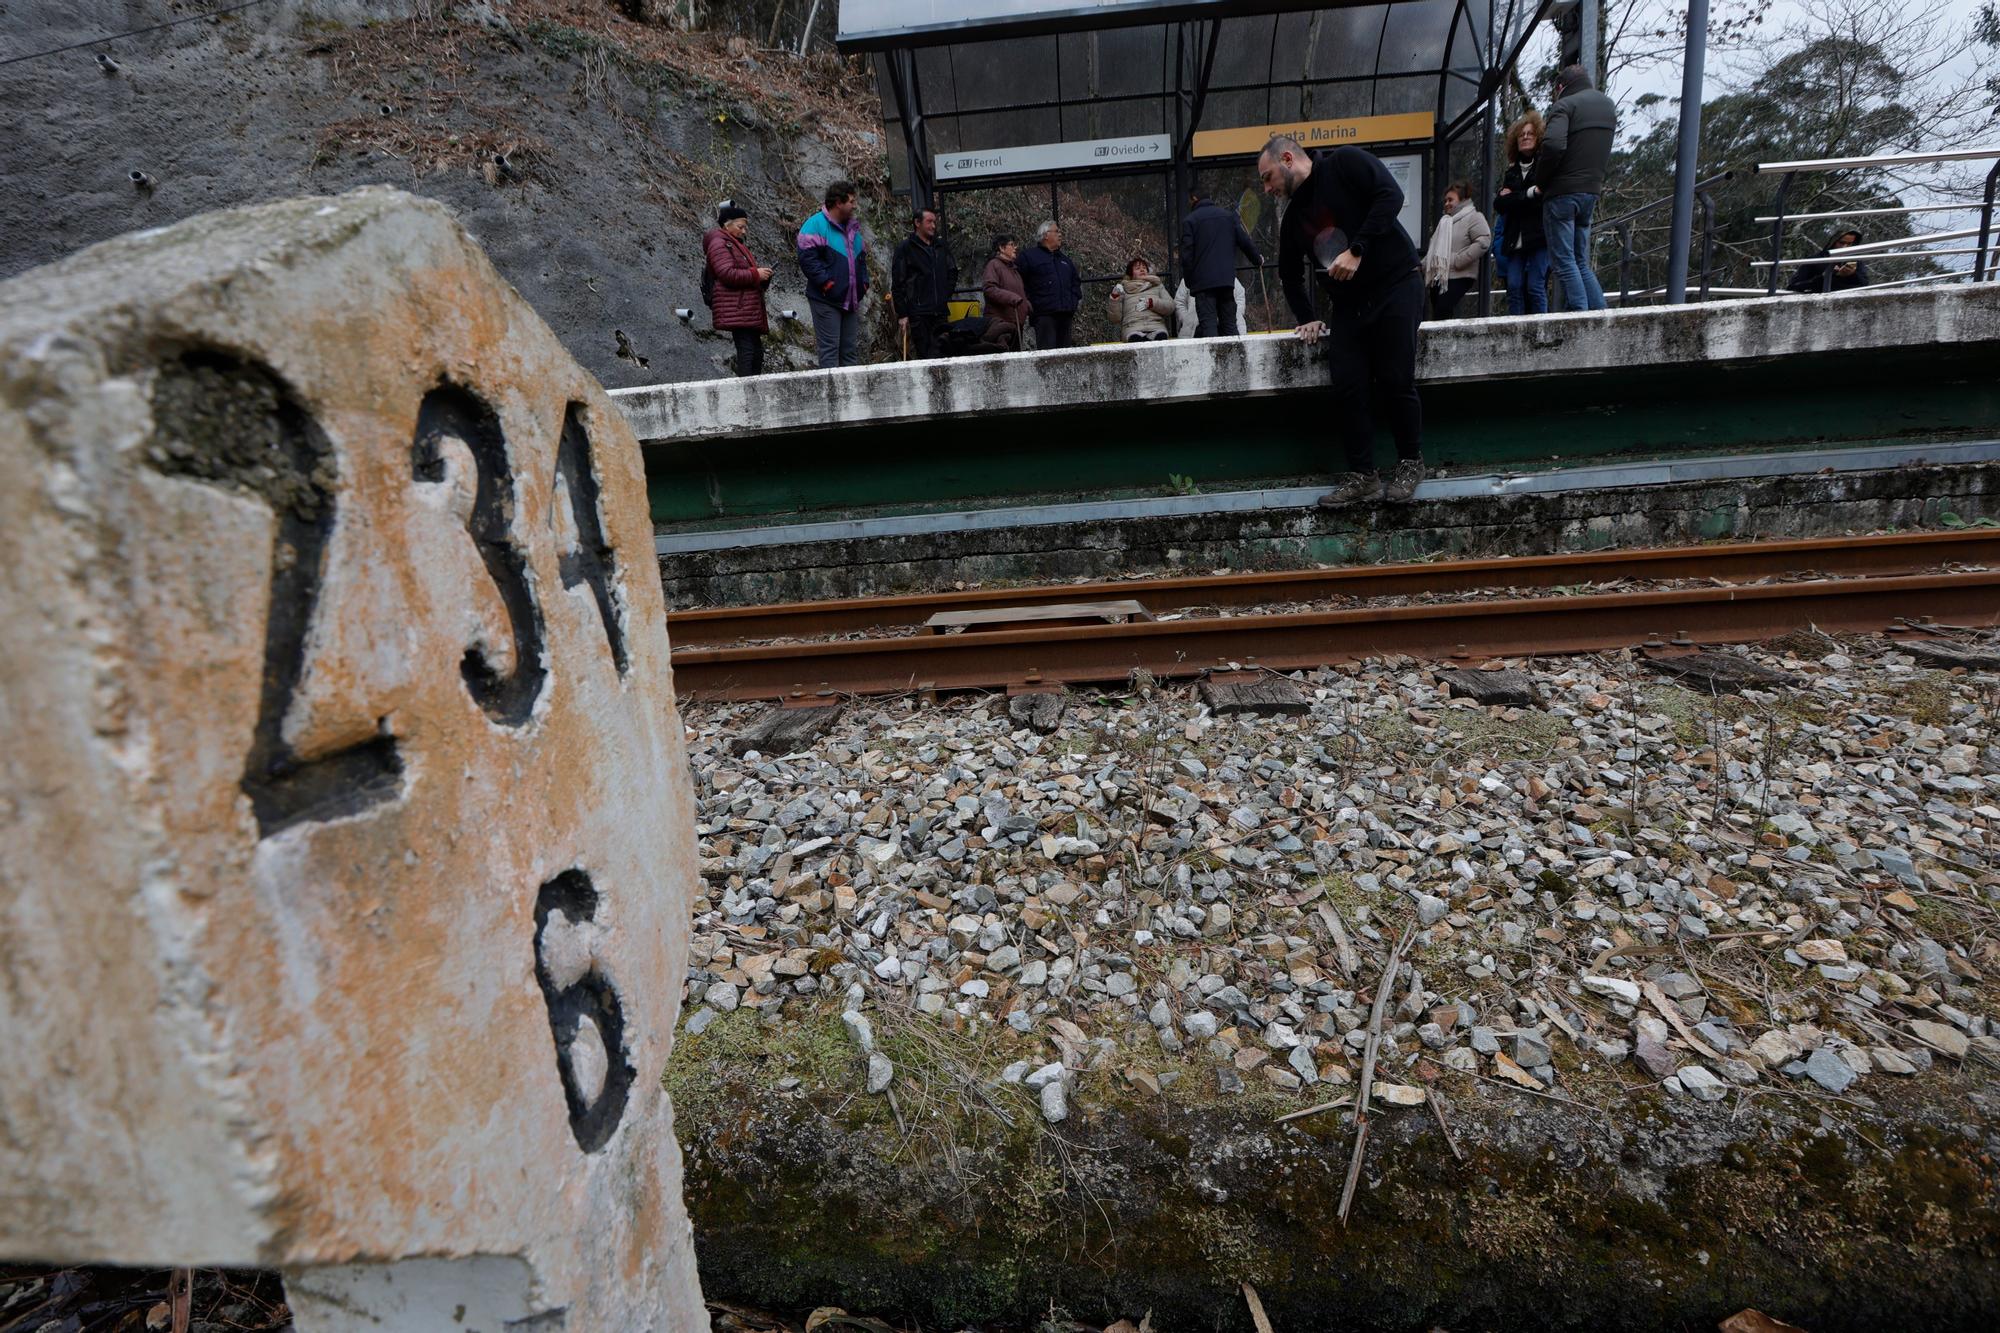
<point>1460,351</point>
<point>1802,505</point>
<point>348,845</point>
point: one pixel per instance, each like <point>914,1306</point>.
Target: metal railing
<point>1787,172</point>
<point>1621,227</point>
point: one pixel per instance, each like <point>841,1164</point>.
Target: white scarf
<point>1437,259</point>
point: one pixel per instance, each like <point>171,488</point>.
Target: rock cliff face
<point>584,151</point>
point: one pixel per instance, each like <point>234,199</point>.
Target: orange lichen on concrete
<point>349,834</point>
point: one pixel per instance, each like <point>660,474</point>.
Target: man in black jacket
<point>922,279</point>
<point>1210,237</point>
<point>1341,223</point>
<point>1569,175</point>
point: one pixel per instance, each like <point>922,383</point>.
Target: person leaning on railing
<point>1835,275</point>
<point>1341,226</point>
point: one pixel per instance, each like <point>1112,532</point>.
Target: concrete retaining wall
<point>1798,505</point>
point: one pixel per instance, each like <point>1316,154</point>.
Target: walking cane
<point>1265,288</point>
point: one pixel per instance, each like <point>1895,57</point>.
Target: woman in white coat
<point>1451,264</point>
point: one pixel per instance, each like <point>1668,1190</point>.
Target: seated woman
<point>1141,305</point>
<point>1844,276</point>
<point>1007,308</point>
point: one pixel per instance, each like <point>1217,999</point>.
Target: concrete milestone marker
<point>347,834</point>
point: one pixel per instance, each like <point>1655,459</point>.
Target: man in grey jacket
<point>1569,175</point>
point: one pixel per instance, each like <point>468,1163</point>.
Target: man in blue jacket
<point>1210,237</point>
<point>1055,288</point>
<point>832,256</point>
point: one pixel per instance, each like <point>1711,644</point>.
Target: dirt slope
<point>619,139</point>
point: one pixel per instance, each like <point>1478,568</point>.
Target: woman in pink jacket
<point>733,285</point>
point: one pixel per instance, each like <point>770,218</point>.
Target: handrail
<point>1899,282</point>
<point>1787,172</point>
<point>1874,212</point>
<point>1835,256</point>
<point>1622,225</point>
<point>1664,200</point>
<point>1866,247</point>
<point>1879,160</point>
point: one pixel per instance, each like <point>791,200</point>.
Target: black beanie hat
<point>728,213</point>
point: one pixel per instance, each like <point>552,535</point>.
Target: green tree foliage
<point>1846,82</point>
<point>1987,29</point>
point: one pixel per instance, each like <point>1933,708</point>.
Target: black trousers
<point>1052,329</point>
<point>1215,312</point>
<point>1372,348</point>
<point>749,351</point>
<point>1444,304</point>
<point>924,330</point>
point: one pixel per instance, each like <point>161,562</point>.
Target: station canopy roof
<point>992,74</point>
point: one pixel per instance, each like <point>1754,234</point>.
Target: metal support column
<point>1588,21</point>
<point>1985,224</point>
<point>1189,104</point>
<point>1778,231</point>
<point>1707,202</point>
<point>1679,239</point>
<point>916,137</point>
<point>1488,260</point>
<point>1177,262</point>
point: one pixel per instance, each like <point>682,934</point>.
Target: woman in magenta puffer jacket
<point>734,287</point>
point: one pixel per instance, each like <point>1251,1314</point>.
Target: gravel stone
<point>1701,1084</point>
<point>928,855</point>
<point>1825,1067</point>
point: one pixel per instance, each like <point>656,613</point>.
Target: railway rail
<point>1875,591</point>
<point>1735,561</point>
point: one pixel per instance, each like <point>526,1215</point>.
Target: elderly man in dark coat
<point>1211,237</point>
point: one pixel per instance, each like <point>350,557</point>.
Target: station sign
<point>1410,127</point>
<point>1127,151</point>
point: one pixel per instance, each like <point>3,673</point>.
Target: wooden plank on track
<point>1946,655</point>
<point>1064,613</point>
<point>1252,692</point>
<point>1042,711</point>
<point>1720,673</point>
<point>1514,689</point>
<point>783,730</point>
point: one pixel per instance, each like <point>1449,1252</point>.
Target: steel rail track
<point>1736,561</point>
<point>1521,627</point>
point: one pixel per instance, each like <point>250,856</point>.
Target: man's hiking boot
<point>1402,483</point>
<point>1351,488</point>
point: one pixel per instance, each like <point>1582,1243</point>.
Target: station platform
<point>1799,416</point>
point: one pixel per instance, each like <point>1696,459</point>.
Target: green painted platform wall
<point>1132,448</point>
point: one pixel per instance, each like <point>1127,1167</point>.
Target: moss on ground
<point>1166,1201</point>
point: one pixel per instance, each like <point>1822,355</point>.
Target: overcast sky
<point>1665,79</point>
